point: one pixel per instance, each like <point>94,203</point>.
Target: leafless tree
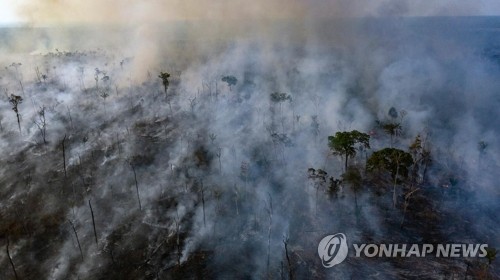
<point>408,196</point>
<point>96,77</point>
<point>104,94</point>
<point>177,222</point>
<point>70,118</point>
<point>15,100</point>
<point>192,103</point>
<point>212,137</point>
<point>38,75</point>
<point>18,75</point>
<point>81,71</point>
<point>64,154</point>
<point>41,122</point>
<point>269,211</point>
<point>285,243</point>
<point>202,190</point>
<point>219,154</point>
<point>236,199</point>
<point>93,222</point>
<point>10,259</point>
<point>77,239</point>
<point>132,165</point>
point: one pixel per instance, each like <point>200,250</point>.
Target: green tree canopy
<point>280,97</point>
<point>394,129</point>
<point>393,113</point>
<point>392,160</point>
<point>482,145</point>
<point>164,79</point>
<point>344,143</point>
<point>230,81</point>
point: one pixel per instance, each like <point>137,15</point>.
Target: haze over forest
<point>202,140</point>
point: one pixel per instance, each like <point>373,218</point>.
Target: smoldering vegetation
<point>223,169</point>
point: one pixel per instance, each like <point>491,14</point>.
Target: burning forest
<point>186,140</point>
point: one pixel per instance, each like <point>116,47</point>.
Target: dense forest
<point>232,158</point>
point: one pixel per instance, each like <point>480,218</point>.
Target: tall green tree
<point>394,129</point>
<point>354,179</point>
<point>164,79</point>
<point>230,81</point>
<point>421,155</point>
<point>344,143</point>
<point>395,161</point>
<point>394,126</point>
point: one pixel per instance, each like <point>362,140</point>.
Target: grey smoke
<point>348,73</point>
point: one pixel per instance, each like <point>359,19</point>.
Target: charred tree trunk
<point>178,239</point>
<point>64,155</point>
<point>203,203</point>
<point>219,154</point>
<point>22,87</point>
<point>10,259</point>
<point>136,186</point>
<point>424,173</point>
<point>270,213</point>
<point>406,204</point>
<point>394,197</point>
<point>77,239</point>
<point>93,222</point>
<point>70,118</point>
<point>290,273</point>
<point>356,200</point>
<point>18,122</point>
<point>345,164</point>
